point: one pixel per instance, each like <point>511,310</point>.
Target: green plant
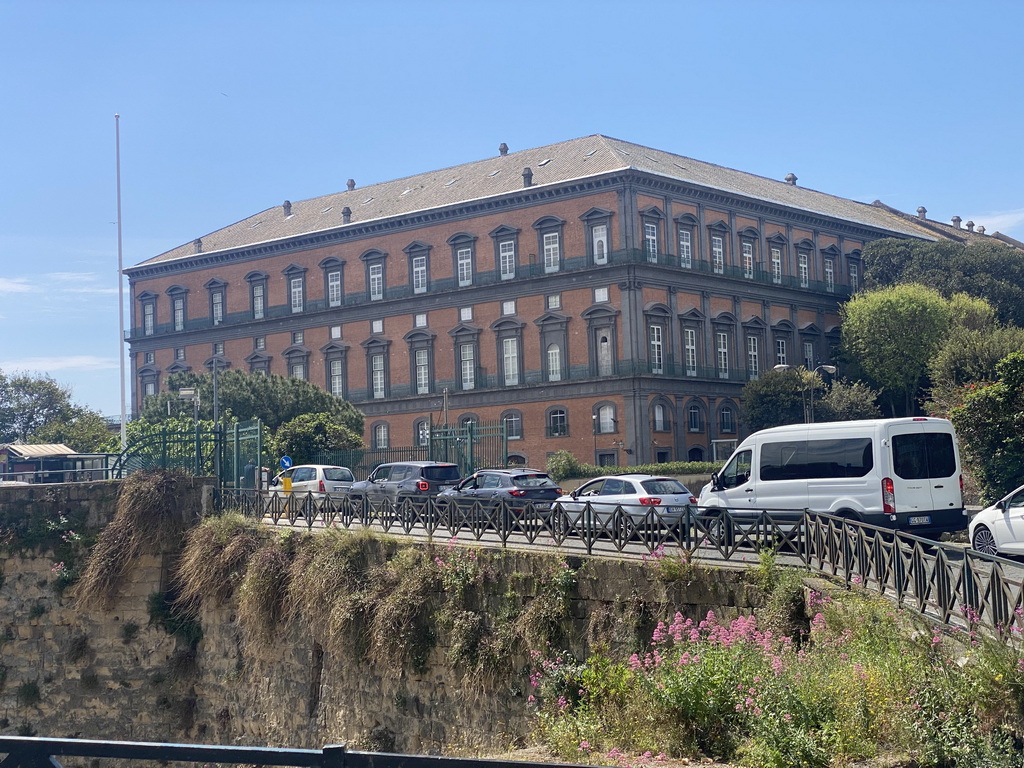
<point>37,610</point>
<point>89,680</point>
<point>129,631</point>
<point>26,729</point>
<point>563,464</point>
<point>78,648</point>
<point>681,567</point>
<point>165,612</point>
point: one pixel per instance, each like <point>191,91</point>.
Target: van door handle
<point>750,490</point>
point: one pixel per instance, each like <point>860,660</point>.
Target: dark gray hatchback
<point>404,479</point>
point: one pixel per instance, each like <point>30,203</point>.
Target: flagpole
<point>120,278</point>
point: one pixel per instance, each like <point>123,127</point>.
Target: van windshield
<point>923,455</point>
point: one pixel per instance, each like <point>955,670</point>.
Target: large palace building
<point>594,295</point>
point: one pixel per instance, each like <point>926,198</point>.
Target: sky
<point>230,107</point>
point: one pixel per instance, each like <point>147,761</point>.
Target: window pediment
<point>461,238</point>
<point>178,367</point>
<point>462,329</point>
<point>805,244</point>
<point>552,318</point>
<point>177,290</point>
<point>548,222</point>
<point>214,284</point>
<point>417,246</point>
<point>652,212</point>
<point>596,214</point>
<point>504,231</point>
<point>257,357</point>
<point>599,311</point>
<point>331,261</point>
<point>419,335</point>
<point>754,323</point>
<point>507,324</point>
<point>831,251</point>
<point>776,239</point>
<point>724,317</point>
<point>809,328</point>
<point>146,296</point>
<point>294,270</point>
<point>693,315</point>
<point>718,226</point>
<point>687,220</point>
<point>375,344</point>
<point>334,346</point>
<point>784,326</point>
<point>256,277</point>
<point>657,308</point>
<point>217,361</point>
<point>374,254</point>
<point>749,232</point>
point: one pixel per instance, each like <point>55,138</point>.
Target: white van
<point>898,473</point>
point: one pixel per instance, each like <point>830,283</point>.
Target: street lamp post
<point>828,369</point>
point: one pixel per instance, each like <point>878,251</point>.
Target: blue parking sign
<point>286,462</point>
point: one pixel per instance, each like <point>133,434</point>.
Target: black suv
<point>517,487</point>
<point>404,479</point>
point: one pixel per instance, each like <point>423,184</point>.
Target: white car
<point>999,529</point>
<point>319,479</point>
<point>643,500</point>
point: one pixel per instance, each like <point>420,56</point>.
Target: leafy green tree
<point>990,424</point>
<point>893,333</point>
<point>28,403</point>
<point>242,395</point>
<point>306,435</point>
<point>84,430</point>
<point>848,401</point>
<point>776,398</point>
<point>991,271</point>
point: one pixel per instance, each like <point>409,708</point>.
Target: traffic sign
<point>286,462</point>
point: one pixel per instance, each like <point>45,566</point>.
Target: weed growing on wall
<point>215,557</point>
<point>681,567</point>
<point>263,593</point>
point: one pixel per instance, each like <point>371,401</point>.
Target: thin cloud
<point>87,289</point>
<point>15,285</point>
<point>67,277</point>
<point>69,363</point>
<point>1000,221</point>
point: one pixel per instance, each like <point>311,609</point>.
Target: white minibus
<point>898,473</point>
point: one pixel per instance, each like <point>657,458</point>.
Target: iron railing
<point>947,583</point>
<point>33,752</point>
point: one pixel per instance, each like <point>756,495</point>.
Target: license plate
<point>338,488</point>
<point>676,509</point>
<point>921,520</point>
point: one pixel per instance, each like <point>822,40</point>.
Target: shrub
<point>562,465</point>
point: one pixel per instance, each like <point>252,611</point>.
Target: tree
<point>992,271</point>
<point>893,333</point>
<point>775,398</point>
<point>990,424</point>
<point>27,403</point>
<point>272,399</point>
<point>848,401</point>
<point>306,435</point>
<point>84,430</point>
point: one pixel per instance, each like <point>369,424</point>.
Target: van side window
<point>816,459</point>
<point>923,455</point>
<point>737,471</point>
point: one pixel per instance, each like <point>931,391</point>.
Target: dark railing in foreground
<point>32,752</point>
<point>948,583</point>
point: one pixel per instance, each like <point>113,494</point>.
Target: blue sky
<point>228,108</point>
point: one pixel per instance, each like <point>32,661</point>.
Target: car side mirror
<point>273,481</point>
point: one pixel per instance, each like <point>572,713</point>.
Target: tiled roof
<point>501,175</point>
<point>931,228</point>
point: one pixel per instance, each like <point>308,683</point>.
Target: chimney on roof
<point>791,179</point>
<point>287,205</point>
<point>351,184</point>
<point>527,177</point>
<point>503,149</point>
<point>922,212</point>
<point>956,221</point>
<point>346,215</point>
<point>970,226</point>
<point>981,230</point>
<point>198,245</point>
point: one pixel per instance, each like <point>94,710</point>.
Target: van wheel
<point>717,523</point>
<point>984,541</point>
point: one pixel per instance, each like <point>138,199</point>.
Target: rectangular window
<point>816,459</point>
<point>748,260</point>
<point>257,301</point>
<point>717,255</point>
<point>218,348</point>
<point>780,352</point>
<point>148,322</point>
<point>508,307</point>
<point>599,238</point>
<point>657,349</point>
<point>467,358</point>
<point>554,362</point>
<point>830,275</point>
<point>422,371</point>
<point>150,358</point>
<point>776,265</point>
<point>419,274</point>
<point>298,371</point>
<point>376,282</point>
<point>802,266</point>
<point>690,343</point>
<point>685,248</point>
<point>377,326</point>
<point>552,252</point>
<point>809,355</point>
<point>600,295</point>
<point>334,289</point>
<point>377,376</point>
<point>179,314</point>
<point>217,307</point>
<point>420,320</point>
<point>465,314</point>
<point>296,294</point>
<point>510,361</point>
<point>464,261</point>
<point>337,379</point>
<point>507,257</point>
<point>854,278</point>
<point>259,343</point>
<point>722,350</point>
<point>335,331</point>
<point>179,353</point>
<point>651,241</point>
<point>554,301</point>
<point>298,337</point>
<point>753,358</point>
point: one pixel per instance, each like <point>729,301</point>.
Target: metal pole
<point>120,277</point>
<point>216,424</point>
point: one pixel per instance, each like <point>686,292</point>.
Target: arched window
<point>513,421</point>
<point>381,435</point>
<point>660,420</point>
<point>557,423</point>
<point>422,433</point>
<point>604,355</point>
<point>695,454</point>
<point>726,422</point>
<point>695,418</point>
<point>605,419</point>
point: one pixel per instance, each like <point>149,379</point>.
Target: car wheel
<point>984,541</point>
<point>716,521</point>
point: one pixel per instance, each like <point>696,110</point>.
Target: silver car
<point>318,479</point>
<point>618,503</point>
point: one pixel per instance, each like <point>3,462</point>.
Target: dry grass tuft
<point>262,598</point>
<point>149,515</point>
<point>402,589</point>
<point>215,559</point>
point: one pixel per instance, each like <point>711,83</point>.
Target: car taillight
<point>961,490</point>
<point>422,485</point>
<point>517,492</point>
<point>322,489</point>
<point>650,501</point>
<point>888,497</point>
<point>559,491</point>
<point>693,499</point>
